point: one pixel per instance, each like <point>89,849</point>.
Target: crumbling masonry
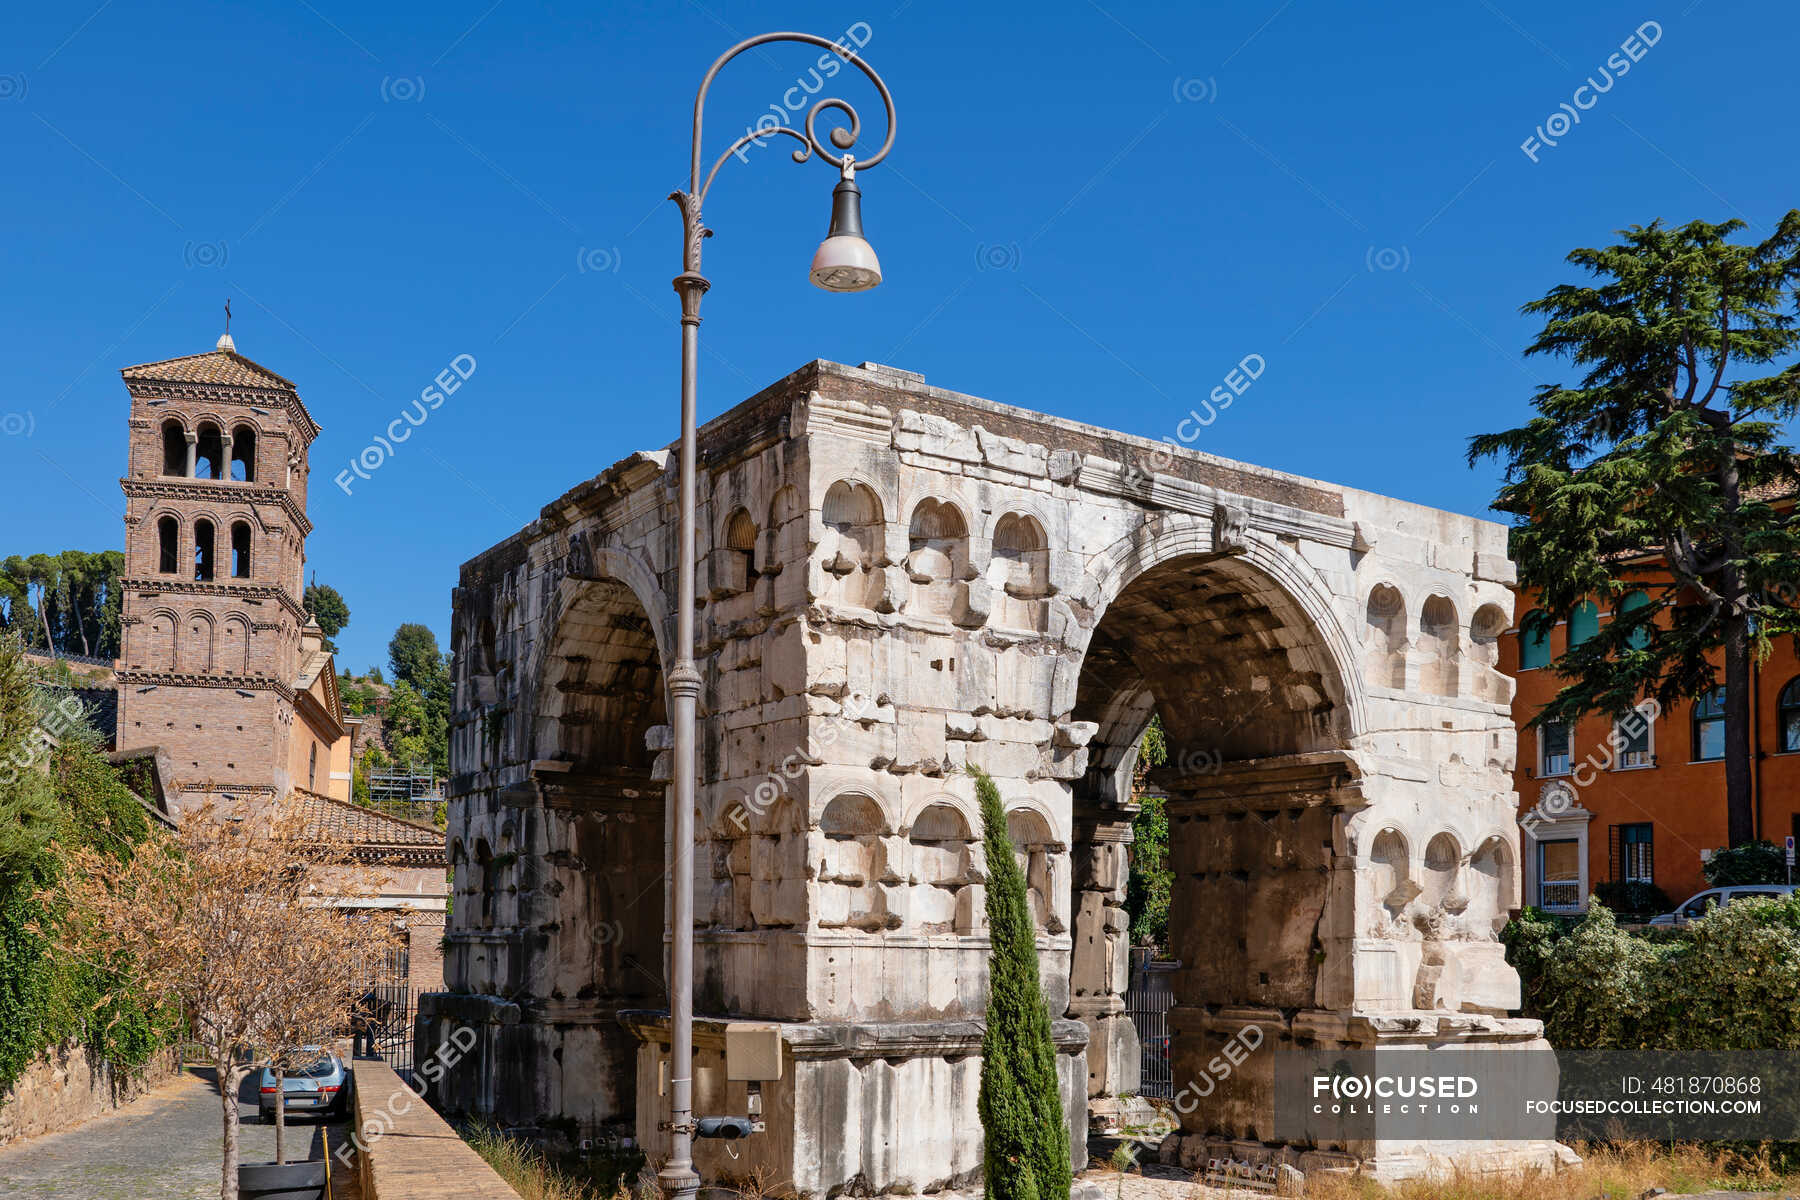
<point>897,581</point>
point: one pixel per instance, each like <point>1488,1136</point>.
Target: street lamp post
<point>844,263</point>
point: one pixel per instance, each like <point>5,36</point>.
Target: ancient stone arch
<point>897,583</point>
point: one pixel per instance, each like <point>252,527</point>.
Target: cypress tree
<point>1026,1135</point>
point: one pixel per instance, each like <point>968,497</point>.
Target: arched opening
<point>1485,629</point>
<point>1251,693</point>
<point>1384,637</point>
<point>1440,647</point>
<point>243,454</point>
<point>592,887</point>
<point>734,567</point>
<point>168,545</point>
<point>174,448</point>
<point>1019,572</point>
<point>240,550</point>
<point>938,555</point>
<point>209,452</point>
<point>852,866</point>
<point>942,873</point>
<point>852,549</point>
<point>203,550</point>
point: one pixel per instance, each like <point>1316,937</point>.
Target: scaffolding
<point>412,792</point>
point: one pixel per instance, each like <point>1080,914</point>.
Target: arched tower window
<point>243,454</point>
<point>174,448</point>
<point>203,550</point>
<point>209,452</point>
<point>240,550</point>
<point>168,545</point>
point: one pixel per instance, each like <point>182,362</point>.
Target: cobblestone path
<point>164,1147</point>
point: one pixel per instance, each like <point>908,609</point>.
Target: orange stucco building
<point>1600,802</point>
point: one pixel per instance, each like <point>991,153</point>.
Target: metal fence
<point>385,1010</point>
<point>1147,1001</point>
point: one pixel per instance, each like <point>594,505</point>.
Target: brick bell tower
<point>215,552</point>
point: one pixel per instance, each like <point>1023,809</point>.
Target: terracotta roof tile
<point>215,366</point>
<point>339,821</point>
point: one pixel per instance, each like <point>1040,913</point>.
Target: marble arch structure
<point>897,581</point>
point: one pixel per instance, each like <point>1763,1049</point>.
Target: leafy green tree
<point>1654,473</point>
<point>328,611</point>
<point>413,654</point>
<point>55,800</point>
<point>1150,882</point>
<point>1753,862</point>
<point>67,602</point>
<point>1026,1136</point>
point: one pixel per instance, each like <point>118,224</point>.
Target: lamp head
<point>845,262</point>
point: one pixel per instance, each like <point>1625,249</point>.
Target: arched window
<point>1630,604</point>
<point>209,453</point>
<point>1584,623</point>
<point>1709,726</point>
<point>168,545</point>
<point>1789,708</point>
<point>1534,647</point>
<point>174,445</point>
<point>240,551</point>
<point>203,550</point>
<point>243,454</point>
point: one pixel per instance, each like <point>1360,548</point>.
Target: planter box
<point>289,1181</point>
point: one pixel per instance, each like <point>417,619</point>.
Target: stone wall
<point>897,583</point>
<point>65,1087</point>
<point>405,1151</point>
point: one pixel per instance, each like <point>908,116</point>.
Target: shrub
<point>1026,1138</point>
<point>1728,981</point>
<point>1596,985</point>
<point>1753,862</point>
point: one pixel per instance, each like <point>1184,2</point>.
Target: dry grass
<point>528,1172</point>
<point>1615,1172</point>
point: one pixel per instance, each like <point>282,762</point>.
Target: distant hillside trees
<point>67,602</point>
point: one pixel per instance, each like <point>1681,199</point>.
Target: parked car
<point>1699,902</point>
<point>321,1086</point>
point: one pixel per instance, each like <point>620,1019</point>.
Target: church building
<point>219,663</point>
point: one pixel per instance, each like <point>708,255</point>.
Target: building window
<point>174,446</point>
<point>1534,648</point>
<point>1630,604</point>
<point>1559,874</point>
<point>1584,623</point>
<point>312,768</point>
<point>1789,709</point>
<point>168,545</point>
<point>1632,738</point>
<point>209,453</point>
<point>240,551</point>
<point>203,550</point>
<point>1632,858</point>
<point>1709,726</point>
<point>1553,748</point>
<point>243,454</point>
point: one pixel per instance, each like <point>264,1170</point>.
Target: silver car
<point>1699,902</point>
<point>321,1086</point>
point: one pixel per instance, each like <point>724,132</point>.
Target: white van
<point>1699,902</point>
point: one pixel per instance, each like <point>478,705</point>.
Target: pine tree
<point>1655,474</point>
<point>1027,1136</point>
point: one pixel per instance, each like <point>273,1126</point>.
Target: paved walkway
<point>164,1147</point>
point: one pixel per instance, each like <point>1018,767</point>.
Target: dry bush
<point>1612,1172</point>
<point>236,918</point>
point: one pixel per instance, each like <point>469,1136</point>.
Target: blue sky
<point>1093,211</point>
